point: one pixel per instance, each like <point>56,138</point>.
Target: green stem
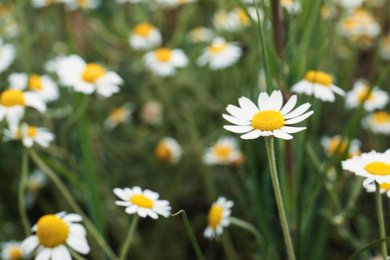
<point>21,191</point>
<point>69,198</point>
<point>191,235</point>
<point>26,36</point>
<point>126,244</point>
<point>269,142</point>
<point>76,255</point>
<point>247,226</point>
<point>381,220</point>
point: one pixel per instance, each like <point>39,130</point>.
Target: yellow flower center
<point>52,231</point>
<point>217,48</point>
<point>363,93</point>
<point>318,77</point>
<point>244,19</point>
<point>15,254</point>
<point>215,216</point>
<point>334,143</point>
<point>163,153</point>
<point>268,120</point>
<point>34,82</point>
<point>163,54</point>
<point>83,3</point>
<point>378,168</point>
<point>117,114</point>
<point>141,201</point>
<point>222,151</point>
<point>31,131</point>
<point>11,97</point>
<point>92,72</point>
<point>381,117</point>
<point>143,29</point>
<point>50,1</point>
<point>385,186</point>
<point>325,11</point>
<point>287,2</point>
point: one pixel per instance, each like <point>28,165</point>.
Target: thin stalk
<point>76,255</point>
<point>249,227</point>
<point>381,220</point>
<point>269,142</point>
<point>277,27</point>
<point>73,204</point>
<point>129,238</point>
<point>21,191</point>
<point>191,235</point>
<point>27,46</point>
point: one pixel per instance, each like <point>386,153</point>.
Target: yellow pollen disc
<point>381,117</point>
<point>52,231</point>
<point>15,254</point>
<point>92,72</point>
<point>334,143</point>
<point>83,3</point>
<point>385,186</point>
<point>163,54</point>
<point>378,168</point>
<point>287,2</point>
<point>31,131</point>
<point>244,19</point>
<point>141,201</point>
<point>215,216</point>
<point>163,153</point>
<point>117,114</point>
<point>318,77</point>
<point>363,93</point>
<point>11,97</point>
<point>222,151</point>
<point>34,82</point>
<point>325,11</point>
<point>217,48</point>
<point>143,29</point>
<point>268,120</point>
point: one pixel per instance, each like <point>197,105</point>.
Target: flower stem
<point>21,190</point>
<point>126,245</point>
<point>249,227</point>
<point>381,220</point>
<point>269,142</point>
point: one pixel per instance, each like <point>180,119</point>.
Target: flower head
<point>369,185</point>
<point>119,115</point>
<point>370,165</point>
<point>7,55</point>
<point>152,113</point>
<point>29,135</point>
<point>377,98</point>
<point>224,151</point>
<point>168,151</point>
<point>163,61</point>
<point>200,34</point>
<point>35,182</point>
<point>226,21</point>
<point>330,145</point>
<point>269,118</point>
<point>144,203</point>
<point>53,233</point>
<point>384,48</point>
<point>291,6</point>
<point>12,251</point>
<point>218,217</point>
<point>319,84</point>
<point>378,122</point>
<point>145,36</point>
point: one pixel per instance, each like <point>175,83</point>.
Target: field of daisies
<point>195,129</point>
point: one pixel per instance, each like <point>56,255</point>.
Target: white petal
<point>238,129</point>
<point>61,253</point>
<point>79,244</point>
<point>298,111</point>
<point>289,105</point>
<point>252,135</point>
<point>276,100</point>
<point>299,118</point>
<point>121,194</point>
<point>44,254</point>
<point>280,134</point>
<point>73,218</point>
<point>292,129</point>
<point>337,90</point>
<point>248,106</point>
<point>235,121</point>
<point>29,244</point>
<point>77,230</point>
<point>238,113</point>
<point>131,209</point>
<point>263,101</point>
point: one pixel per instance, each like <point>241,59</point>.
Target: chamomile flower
<point>243,19</point>
<point>43,85</point>
<point>12,251</point>
<point>319,84</point>
<point>291,6</point>
<point>173,3</point>
<point>118,115</point>
<point>224,151</point>
<point>144,203</point>
<point>53,233</point>
<point>7,55</point>
<point>370,165</point>
<point>163,61</point>
<point>269,118</point>
<point>369,185</point>
<point>327,12</point>
<point>377,99</point>
<point>384,48</point>
<point>13,103</point>
<point>43,3</point>
<point>35,182</point>
<point>218,217</point>
<point>378,122</point>
<point>220,54</point>
<point>152,113</point>
<point>225,21</point>
<point>350,3</point>
<point>200,34</point>
<point>145,36</point>
<point>84,4</point>
<point>330,145</point>
<point>29,135</point>
<point>168,151</point>
<point>87,78</point>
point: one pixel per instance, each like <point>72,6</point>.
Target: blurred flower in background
<point>291,6</point>
<point>168,151</point>
<point>349,4</point>
<point>35,183</point>
<point>12,250</point>
<point>218,217</point>
<point>224,152</point>
<point>152,113</point>
<point>29,135</point>
<point>384,47</point>
<point>377,122</point>
<point>369,185</point>
<point>7,55</point>
<point>225,21</point>
<point>163,61</point>
<point>145,36</point>
<point>377,98</point>
<point>119,115</point>
<point>330,145</point>
<point>200,34</point>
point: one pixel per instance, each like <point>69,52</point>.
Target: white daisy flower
<point>118,115</point>
<point>164,61</point>
<point>370,165</point>
<point>145,36</point>
<point>384,48</point>
<point>85,4</point>
<point>318,83</point>
<point>291,6</point>
<point>53,233</point>
<point>43,85</point>
<point>29,135</point>
<point>377,99</point>
<point>330,145</point>
<point>269,118</point>
<point>144,203</point>
<point>7,55</point>
<point>220,54</point>
<point>378,122</point>
<point>173,3</point>
<point>226,21</point>
<point>369,185</point>
<point>12,251</point>
<point>224,151</point>
<point>84,77</point>
<point>35,182</point>
<point>218,217</point>
<point>200,34</point>
<point>152,113</point>
<point>168,150</point>
<point>350,4</point>
<point>13,103</point>
<point>242,19</point>
<point>44,3</point>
